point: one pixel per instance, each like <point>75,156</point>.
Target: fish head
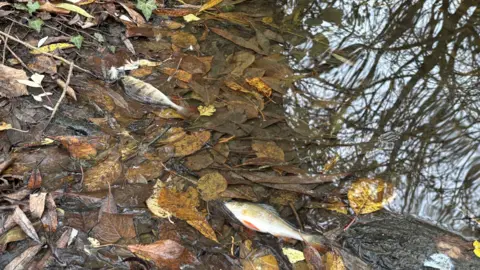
<point>240,209</point>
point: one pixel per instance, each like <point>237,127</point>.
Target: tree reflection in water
<point>393,88</point>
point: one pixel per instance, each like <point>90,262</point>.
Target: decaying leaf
<point>169,113</point>
<point>268,149</point>
<point>52,47</point>
<point>22,220</point>
<point>43,64</point>
<point>184,39</point>
<point>369,195</point>
<point>105,173</point>
<point>82,147</point>
<point>178,74</point>
<point>249,44</point>
<point>209,4</point>
<point>50,218</point>
<point>9,86</point>
<point>166,254</point>
<point>113,227</point>
<point>172,135</point>
<point>267,262</point>
<point>35,179</point>
<point>174,12</point>
<point>206,110</point>
<point>13,235</point>
<point>137,18</point>
<point>333,261</point>
<point>69,89</point>
<point>37,204</point>
<point>293,255</point>
<point>23,259</point>
<point>148,170</point>
<point>191,143</point>
<point>261,86</point>
<point>211,185</point>
<point>199,160</point>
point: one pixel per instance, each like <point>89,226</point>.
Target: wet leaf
<point>137,18</point>
<point>331,163</point>
<point>261,86</point>
<point>172,135</point>
<point>476,248</point>
<point>333,261</point>
<point>24,259</point>
<point>82,147</point>
<point>32,7</point>
<point>35,179</point>
<point>208,93</point>
<point>191,18</point>
<point>51,8</point>
<point>141,72</point>
<point>206,110</point>
<point>50,218</point>
<point>13,235</point>
<point>211,185</point>
<point>191,143</point>
<point>21,219</point>
<point>333,15</point>
<point>52,47</point>
<point>268,149</point>
<point>293,255</point>
<point>199,160</point>
<point>105,173</point>
<point>75,9</point>
<point>37,204</point>
<point>36,24</point>
<point>193,65</point>
<point>209,4</point>
<point>113,227</point>
<point>267,262</point>
<point>174,12</point>
<point>220,152</point>
<point>166,254</point>
<point>240,61</point>
<point>178,74</point>
<point>249,44</point>
<point>243,192</point>
<point>369,195</point>
<point>144,172</point>
<point>313,258</point>
<point>184,39</point>
<point>43,64</point>
<point>172,25</point>
<point>77,40</point>
<point>169,113</point>
<point>9,86</point>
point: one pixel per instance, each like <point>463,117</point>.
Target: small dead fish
<point>147,93</point>
<point>264,218</point>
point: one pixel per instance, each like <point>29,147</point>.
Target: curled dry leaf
<point>369,195</point>
<point>21,219</point>
<point>137,18</point>
<point>191,143</point>
<point>69,89</point>
<point>211,185</point>
<point>268,149</point>
<point>166,254</point>
<point>9,86</point>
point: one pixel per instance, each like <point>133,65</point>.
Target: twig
<point>5,44</point>
<point>299,221</point>
<point>46,53</point>
<point>70,71</point>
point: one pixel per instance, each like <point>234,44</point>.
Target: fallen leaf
<point>103,174</point>
<point>169,113</point>
<point>43,64</point>
<point>193,65</point>
<point>12,235</point>
<point>220,152</point>
<point>268,149</point>
<point>313,258</point>
<point>191,18</point>
<point>174,12</point>
<point>146,6</point>
<point>75,9</point>
<point>211,185</point>
<point>51,8</point>
<point>199,160</point>
<point>293,255</point>
<point>240,61</point>
<point>333,261</point>
<point>206,110</point>
<point>261,177</point>
<point>37,204</point>
<point>172,25</point>
<point>476,246</point>
<point>21,219</point>
<point>166,254</point>
<point>83,147</point>
<point>108,205</point>
<point>191,143</point>
<point>238,40</point>
<point>209,4</point>
<point>141,72</point>
<point>52,47</point>
<point>137,18</point>
<point>184,39</point>
<point>178,74</point>
<point>23,260</point>
<point>9,86</point>
<point>113,227</point>
<point>243,192</point>
<point>267,262</point>
<point>261,86</point>
<point>369,195</point>
<point>69,90</point>
<point>146,171</point>
<point>333,15</point>
<point>50,218</point>
<point>35,179</point>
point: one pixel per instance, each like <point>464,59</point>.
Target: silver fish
<point>147,93</point>
<point>264,218</point>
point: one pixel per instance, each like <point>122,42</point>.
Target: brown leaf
<point>267,262</point>
<point>9,87</point>
<point>313,258</point>
<point>239,18</point>
<point>220,152</point>
<point>83,221</point>
<point>198,161</point>
<point>82,147</point>
<point>22,261</point>
<point>50,219</point>
<point>166,254</point>
<point>108,205</point>
<point>249,44</point>
<point>136,17</point>
<point>43,64</point>
<point>193,65</point>
<point>211,185</point>
<point>148,170</point>
<point>333,261</point>
<point>37,204</point>
<point>69,89</point>
<point>174,12</point>
<point>103,174</point>
<point>268,149</point>
<point>113,227</point>
<point>35,179</point>
<point>51,8</point>
<point>178,74</point>
<point>240,192</point>
<point>190,144</point>
<point>240,61</point>
<point>204,228</point>
<point>208,93</point>
<point>184,39</point>
<point>259,177</point>
<point>21,219</point>
<point>141,72</point>
<point>143,31</point>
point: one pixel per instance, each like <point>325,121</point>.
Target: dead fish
<point>147,93</point>
<point>264,218</point>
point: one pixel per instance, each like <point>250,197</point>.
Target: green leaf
<point>333,15</point>
<point>32,7</point>
<point>77,40</point>
<point>36,24</point>
<point>112,49</point>
<point>146,6</point>
<point>20,6</point>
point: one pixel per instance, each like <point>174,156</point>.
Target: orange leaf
<point>209,4</point>
<point>261,87</point>
<point>178,74</point>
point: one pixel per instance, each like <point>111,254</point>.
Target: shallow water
<point>393,89</point>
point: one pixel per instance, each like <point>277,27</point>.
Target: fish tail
<point>182,110</point>
<point>319,242</point>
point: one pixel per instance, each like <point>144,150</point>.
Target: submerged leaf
<point>190,144</point>
<point>249,44</point>
<point>369,195</point>
<point>206,110</point>
<point>211,185</point>
<point>268,149</point>
<point>261,86</point>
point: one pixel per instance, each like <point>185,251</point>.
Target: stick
<point>70,71</point>
<point>46,53</point>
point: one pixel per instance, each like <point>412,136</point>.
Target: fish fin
<point>319,242</point>
<point>250,225</point>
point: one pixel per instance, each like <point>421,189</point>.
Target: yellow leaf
<point>369,195</point>
<point>75,9</point>
<point>178,74</point>
<point>267,262</point>
<point>190,144</point>
<point>268,149</point>
<point>331,163</point>
<point>191,18</point>
<point>476,245</point>
<point>206,110</point>
<point>261,87</point>
<point>210,4</point>
<point>211,185</point>
<point>203,227</point>
<point>5,126</point>
<point>293,255</point>
<point>333,261</point>
<point>169,113</point>
<point>51,48</point>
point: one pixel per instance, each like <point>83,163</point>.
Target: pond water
<point>392,88</point>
